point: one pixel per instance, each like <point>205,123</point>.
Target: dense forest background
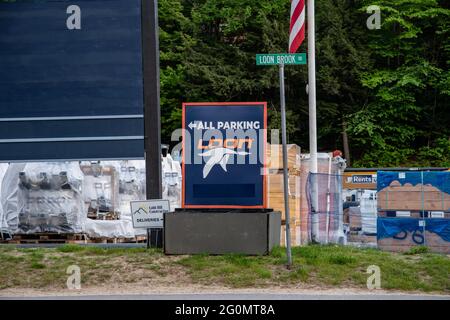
<point>387,91</point>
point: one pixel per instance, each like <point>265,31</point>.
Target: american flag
<point>297,29</point>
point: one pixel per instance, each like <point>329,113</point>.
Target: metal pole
<point>327,223</point>
<point>342,239</point>
<point>312,116</point>
<point>148,238</point>
<point>285,167</point>
<point>152,113</point>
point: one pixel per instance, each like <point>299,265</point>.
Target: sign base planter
<point>221,231</point>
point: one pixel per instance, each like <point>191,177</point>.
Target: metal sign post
<point>152,112</point>
<point>285,166</point>
<point>281,60</point>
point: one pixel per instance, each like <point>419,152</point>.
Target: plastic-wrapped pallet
<point>100,190</point>
<point>110,228</point>
<point>171,181</point>
<point>3,224</point>
<point>9,196</point>
<point>328,204</point>
<point>368,203</point>
<point>131,188</point>
<point>131,183</point>
<point>49,198</point>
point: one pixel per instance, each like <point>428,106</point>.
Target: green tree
<point>389,86</point>
<point>407,113</point>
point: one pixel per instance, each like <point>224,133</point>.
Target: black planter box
<point>252,232</point>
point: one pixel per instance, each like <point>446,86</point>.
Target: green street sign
<point>272,59</point>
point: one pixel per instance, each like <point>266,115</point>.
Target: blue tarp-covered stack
<point>414,209</point>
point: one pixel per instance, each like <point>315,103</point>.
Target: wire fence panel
<point>324,194</point>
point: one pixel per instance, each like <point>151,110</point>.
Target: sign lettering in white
<point>149,213</point>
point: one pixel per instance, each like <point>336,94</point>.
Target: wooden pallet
<point>48,238</point>
<point>138,239</point>
<point>103,216</point>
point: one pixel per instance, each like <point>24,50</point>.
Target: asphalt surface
<point>240,296</point>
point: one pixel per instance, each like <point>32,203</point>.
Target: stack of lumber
<point>274,154</point>
<point>275,183</point>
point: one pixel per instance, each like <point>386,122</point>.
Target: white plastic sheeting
<point>3,224</point>
<point>171,181</point>
<point>109,228</point>
<point>368,203</point>
<point>131,182</point>
<point>41,200</point>
<point>131,188</point>
<point>49,198</point>
<point>100,189</point>
<point>9,196</point>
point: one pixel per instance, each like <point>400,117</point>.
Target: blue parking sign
<point>224,147</point>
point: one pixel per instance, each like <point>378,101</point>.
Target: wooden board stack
<point>275,187</point>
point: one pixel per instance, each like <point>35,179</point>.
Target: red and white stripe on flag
<point>297,29</point>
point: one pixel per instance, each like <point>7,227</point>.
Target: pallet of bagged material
<point>101,191</point>
<point>274,156</point>
<point>48,238</point>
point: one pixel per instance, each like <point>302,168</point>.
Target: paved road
<point>242,296</point>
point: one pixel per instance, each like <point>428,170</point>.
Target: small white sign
<point>149,213</point>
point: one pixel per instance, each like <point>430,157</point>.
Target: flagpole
<point>312,117</point>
